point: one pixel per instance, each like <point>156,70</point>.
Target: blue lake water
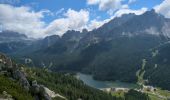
<point>88,79</point>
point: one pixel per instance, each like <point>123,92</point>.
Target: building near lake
<point>120,89</point>
<point>113,89</point>
<point>149,88</point>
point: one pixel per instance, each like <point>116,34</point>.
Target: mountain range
<point>124,49</point>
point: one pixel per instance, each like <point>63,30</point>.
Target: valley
<point>88,79</point>
<point>126,58</point>
<point>118,89</point>
<point>24,83</point>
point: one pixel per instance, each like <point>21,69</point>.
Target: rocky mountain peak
<point>11,36</point>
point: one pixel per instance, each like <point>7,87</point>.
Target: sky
<point>40,18</point>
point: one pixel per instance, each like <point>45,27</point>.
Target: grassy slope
<point>14,89</point>
<point>67,85</point>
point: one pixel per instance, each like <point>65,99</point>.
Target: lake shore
<point>88,79</point>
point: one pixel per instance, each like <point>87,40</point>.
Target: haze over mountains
<point>9,36</point>
<point>114,51</point>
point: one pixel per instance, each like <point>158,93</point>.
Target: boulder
<point>7,67</point>
<point>39,91</point>
<point>1,67</point>
<point>35,88</point>
<point>18,75</point>
<point>52,94</point>
<point>9,63</point>
<point>24,82</point>
<point>7,96</point>
<point>43,93</point>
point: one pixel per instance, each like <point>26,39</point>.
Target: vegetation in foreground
<point>65,85</point>
<point>14,89</point>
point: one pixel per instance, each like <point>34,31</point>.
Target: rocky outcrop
<point>17,74</point>
<point>52,94</point>
<point>44,93</point>
<point>5,62</point>
<point>39,90</point>
<point>13,71</point>
<point>35,88</point>
<point>6,96</point>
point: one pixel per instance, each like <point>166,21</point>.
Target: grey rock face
<point>10,36</point>
<point>35,88</point>
<point>12,70</point>
<point>7,67</point>
<point>18,75</point>
<point>24,82</point>
<point>9,63</point>
<point>39,91</point>
<point>44,93</point>
<point>5,62</point>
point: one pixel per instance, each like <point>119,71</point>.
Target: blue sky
<point>56,5</point>
<point>39,18</point>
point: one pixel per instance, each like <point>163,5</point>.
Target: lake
<point>88,79</point>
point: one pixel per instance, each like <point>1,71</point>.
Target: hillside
<point>114,51</point>
<point>22,83</point>
<point>84,50</point>
<point>157,67</point>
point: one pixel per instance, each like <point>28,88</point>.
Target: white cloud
<point>109,5</point>
<point>94,24</point>
<point>59,11</point>
<point>163,8</point>
<point>9,1</point>
<point>125,6</point>
<point>26,21</point>
<point>22,19</point>
<point>93,2</point>
<point>115,7</point>
<point>120,12</point>
<point>73,20</point>
<point>98,23</point>
<point>131,1</point>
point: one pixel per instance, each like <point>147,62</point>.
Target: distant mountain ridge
<point>8,36</point>
<point>114,51</point>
